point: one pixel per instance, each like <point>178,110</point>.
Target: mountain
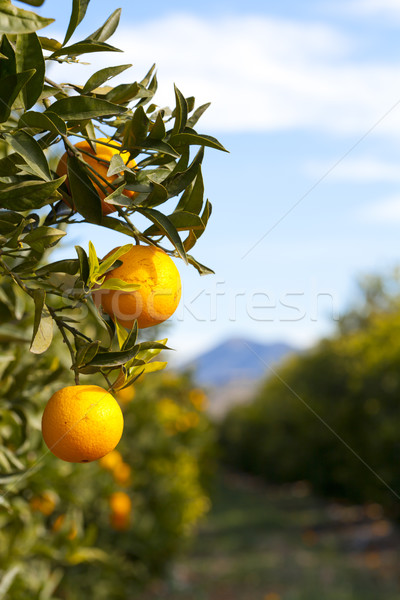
<point>237,360</point>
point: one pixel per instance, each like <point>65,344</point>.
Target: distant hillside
<point>237,360</point>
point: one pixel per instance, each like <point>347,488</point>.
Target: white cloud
<point>385,212</point>
<point>359,170</point>
<point>387,8</point>
<point>261,74</point>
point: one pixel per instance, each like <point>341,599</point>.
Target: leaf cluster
<point>38,117</point>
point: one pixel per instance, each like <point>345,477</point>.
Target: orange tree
<point>125,157</point>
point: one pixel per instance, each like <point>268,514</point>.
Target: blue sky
<point>304,96</point>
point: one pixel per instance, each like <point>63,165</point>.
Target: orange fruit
<point>82,423</point>
<point>111,460</point>
<point>45,503</point>
<point>126,395</point>
<point>103,153</point>
<point>120,504</point>
<point>122,474</point>
<point>159,293</point>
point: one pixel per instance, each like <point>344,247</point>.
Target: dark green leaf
<point>83,263</point>
<point>117,359</point>
<point>195,234</point>
<point>79,8</point>
<point>180,112</point>
<point>43,324</point>
<point>157,196</point>
<point>118,198</point>
<point>84,195</point>
<point>202,269</point>
<point>8,65</point>
<point>177,182</point>
<point>86,353</point>
<point>125,92</point>
<point>105,31</point>
<point>43,121</point>
<point>30,56</point>
<point>197,114</point>
<point>79,108</point>
<point>33,2</point>
<point>43,237</point>
<point>157,130</point>
<point>194,139</point>
<point>18,20</point>
<point>10,87</point>
<point>159,146</point>
<point>85,47</point>
<point>182,221</point>
<point>192,199</point>
<point>148,75</point>
<point>67,265</point>
<point>136,132</point>
<point>29,194</point>
<point>100,77</point>
<point>132,337</point>
<point>9,220</point>
<point>166,228</point>
<point>27,147</point>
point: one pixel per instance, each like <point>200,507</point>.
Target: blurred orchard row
<point>126,516</point>
<point>331,415</point>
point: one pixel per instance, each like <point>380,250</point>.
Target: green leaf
<point>84,195</point>
<point>83,263</point>
<point>165,227</point>
<point>118,198</point>
<point>18,20</point>
<point>80,108</point>
<point>125,92</point>
<point>86,353</point>
<point>9,220</point>
<point>66,265</point>
<point>197,114</point>
<point>106,31</point>
<point>136,131</point>
<point>33,2</point>
<point>180,113</point>
<point>177,182</point>
<point>157,130</point>
<point>49,43</point>
<point>117,225</point>
<point>194,139</point>
<point>43,237</point>
<point>117,359</point>
<point>100,77</point>
<point>84,47</point>
<point>192,200</point>
<point>8,65</point>
<point>43,121</point>
<point>30,194</point>
<point>118,284</point>
<point>106,264</point>
<point>195,234</point>
<point>93,263</point>
<point>116,165</point>
<point>43,324</point>
<point>30,56</point>
<point>131,338</point>
<point>27,147</point>
<point>182,221</point>
<point>79,8</point>
<point>202,269</point>
<point>10,87</point>
<point>157,196</point>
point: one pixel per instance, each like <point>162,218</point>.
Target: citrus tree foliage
<point>40,118</point>
<point>59,534</point>
<point>351,382</point>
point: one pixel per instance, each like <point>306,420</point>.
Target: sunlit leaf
<point>18,20</point>
<point>43,324</point>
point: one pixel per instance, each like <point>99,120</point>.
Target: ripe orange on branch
<point>159,293</point>
<point>96,161</point>
<point>82,423</point>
